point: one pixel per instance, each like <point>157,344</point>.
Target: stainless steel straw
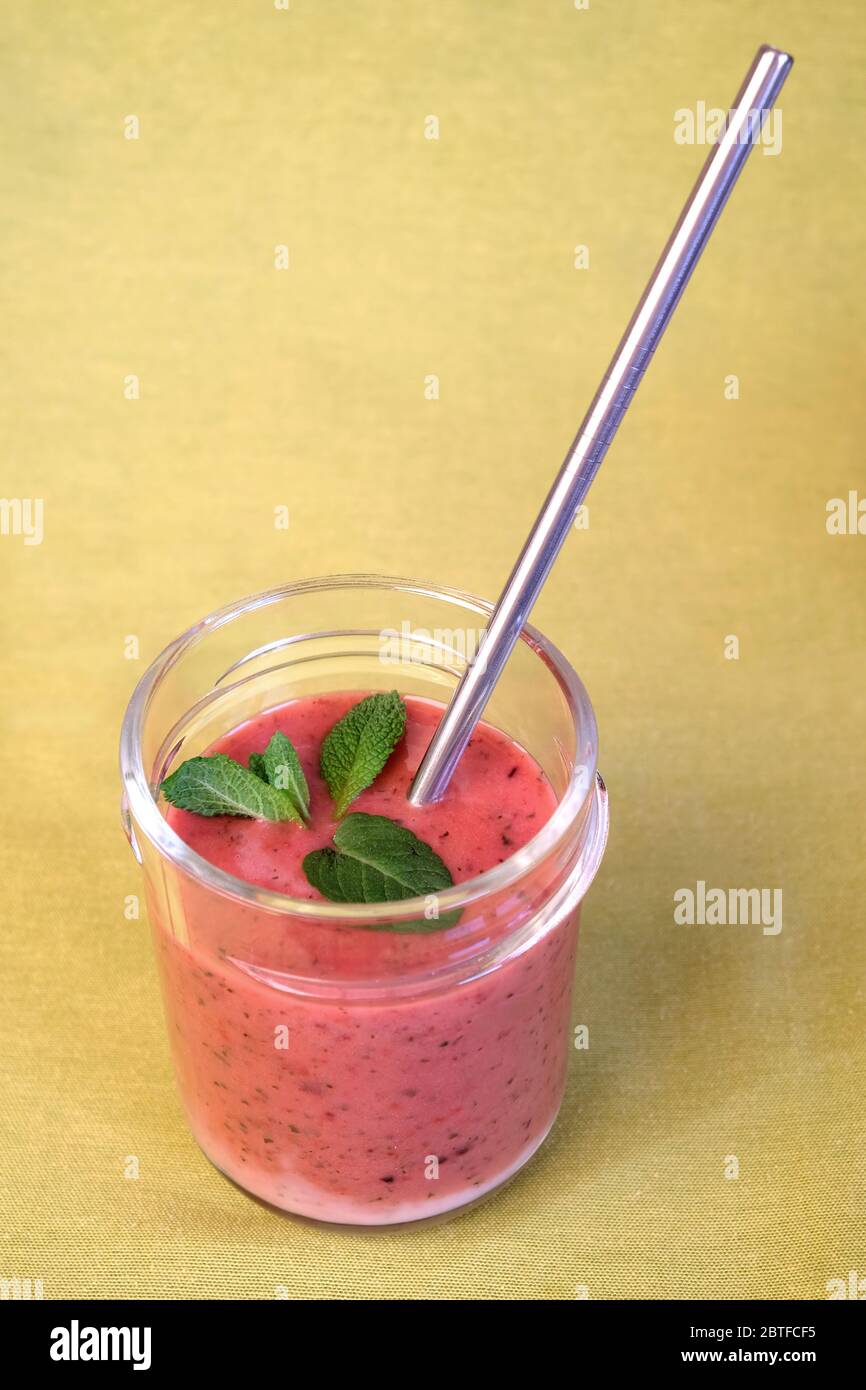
<point>652,316</point>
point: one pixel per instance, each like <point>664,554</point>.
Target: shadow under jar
<point>333,1066</point>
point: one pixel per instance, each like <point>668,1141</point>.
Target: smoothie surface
<point>498,798</point>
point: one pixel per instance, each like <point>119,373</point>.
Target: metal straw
<point>661,296</point>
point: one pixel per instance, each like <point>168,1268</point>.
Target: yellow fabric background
<point>306,388</point>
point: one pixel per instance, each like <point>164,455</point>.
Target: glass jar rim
<point>140,801</point>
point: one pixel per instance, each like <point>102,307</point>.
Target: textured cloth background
<point>411,257</point>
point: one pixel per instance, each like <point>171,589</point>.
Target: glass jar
<point>332,1066</point>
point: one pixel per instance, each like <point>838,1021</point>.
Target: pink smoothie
<point>387,1108</point>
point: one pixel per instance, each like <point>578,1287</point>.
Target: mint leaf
<point>378,861</point>
<point>280,766</point>
<point>283,770</point>
<point>358,747</point>
<point>218,786</point>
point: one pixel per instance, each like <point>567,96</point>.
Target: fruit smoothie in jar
<point>367,1002</point>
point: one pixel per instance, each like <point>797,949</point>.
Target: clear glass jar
<point>345,1074</point>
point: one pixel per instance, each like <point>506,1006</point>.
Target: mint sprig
<point>219,786</point>
<point>283,770</point>
<point>375,860</point>
<point>359,745</point>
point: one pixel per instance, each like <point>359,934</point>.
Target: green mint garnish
<point>256,765</point>
<point>358,747</point>
<point>283,770</point>
<point>378,861</point>
<point>218,786</point>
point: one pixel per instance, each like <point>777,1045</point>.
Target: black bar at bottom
<point>261,1338</point>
